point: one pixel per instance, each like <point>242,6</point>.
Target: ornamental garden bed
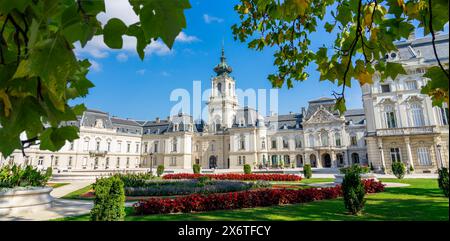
<point>235,176</point>
<point>243,199</point>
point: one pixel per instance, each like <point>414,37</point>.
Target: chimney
<point>157,120</point>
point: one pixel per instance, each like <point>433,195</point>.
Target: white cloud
<point>95,66</point>
<point>184,38</point>
<point>122,57</point>
<point>211,19</point>
<point>118,9</point>
<point>141,71</point>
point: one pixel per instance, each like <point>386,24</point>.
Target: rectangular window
<point>41,160</point>
<point>97,146</point>
<point>285,144</point>
<point>128,147</point>
<point>118,162</point>
<point>423,156</point>
<point>385,88</point>
<point>274,144</point>
<point>173,161</point>
<point>337,137</point>
<point>137,148</point>
<point>353,141</point>
<point>86,145</point>
<point>395,155</point>
<point>443,115</point>
<point>411,85</point>
<point>119,146</point>
<point>107,162</point>
<point>71,146</point>
<point>109,146</point>
<point>56,160</point>
<point>263,144</point>
<point>155,147</point>
<point>69,164</point>
<point>128,162</point>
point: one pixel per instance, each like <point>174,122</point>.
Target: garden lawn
<point>77,194</point>
<point>423,200</point>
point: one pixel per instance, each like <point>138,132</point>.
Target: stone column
<point>318,160</point>
<point>344,155</point>
<point>333,160</point>
<point>383,163</point>
<point>408,151</point>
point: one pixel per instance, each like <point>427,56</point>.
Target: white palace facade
<point>397,123</point>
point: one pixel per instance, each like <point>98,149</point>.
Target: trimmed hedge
<point>244,199</point>
<point>160,170</point>
<point>196,168</point>
<point>399,169</point>
<point>247,169</point>
<point>443,180</point>
<point>307,172</point>
<point>235,176</point>
<point>109,202</point>
<point>353,190</point>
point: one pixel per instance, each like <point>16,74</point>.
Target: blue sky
<point>130,88</point>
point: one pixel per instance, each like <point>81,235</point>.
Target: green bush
<point>247,169</point>
<point>109,202</point>
<point>134,179</point>
<point>353,191</point>
<point>160,170</point>
<point>443,180</point>
<point>203,180</point>
<point>16,176</point>
<point>354,168</point>
<point>399,169</point>
<point>196,168</point>
<point>307,172</point>
<point>411,169</point>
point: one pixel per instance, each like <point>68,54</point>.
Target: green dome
<point>223,67</point>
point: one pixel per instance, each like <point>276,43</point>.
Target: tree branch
<point>433,39</point>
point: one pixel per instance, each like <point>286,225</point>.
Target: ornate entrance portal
<point>212,162</point>
<point>326,160</point>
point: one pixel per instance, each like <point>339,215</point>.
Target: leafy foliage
<point>17,176</point>
<point>160,170</point>
<point>196,168</point>
<point>247,169</point>
<point>307,172</point>
<point>353,191</point>
<point>134,179</point>
<point>39,73</point>
<point>443,180</point>
<point>354,168</point>
<point>109,202</point>
<point>399,169</point>
<point>365,32</point>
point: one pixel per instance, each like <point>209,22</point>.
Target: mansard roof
<point>356,116</point>
<point>413,49</point>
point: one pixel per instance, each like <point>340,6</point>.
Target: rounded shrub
<point>196,168</point>
<point>411,169</point>
<point>307,172</point>
<point>443,180</point>
<point>399,169</point>
<point>159,170</point>
<point>247,169</point>
<point>353,191</point>
<point>109,202</point>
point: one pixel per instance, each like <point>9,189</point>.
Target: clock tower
<point>222,104</point>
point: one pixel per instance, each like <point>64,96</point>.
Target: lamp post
<point>51,161</point>
<point>151,162</point>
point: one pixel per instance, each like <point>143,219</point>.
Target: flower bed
<point>244,199</point>
<point>234,176</point>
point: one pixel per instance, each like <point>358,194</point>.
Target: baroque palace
<point>397,123</point>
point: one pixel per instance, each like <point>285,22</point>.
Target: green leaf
<point>53,139</point>
<point>163,19</point>
<point>112,33</point>
<point>136,31</point>
<point>392,70</point>
<point>7,6</point>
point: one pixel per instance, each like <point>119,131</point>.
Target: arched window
<point>417,114</point>
<point>355,158</point>
<point>337,138</point>
<point>324,138</point>
<point>389,117</point>
<point>285,142</point>
<point>219,88</point>
<point>311,140</point>
<point>86,144</point>
<point>242,142</point>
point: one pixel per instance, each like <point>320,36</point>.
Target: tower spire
<point>223,67</point>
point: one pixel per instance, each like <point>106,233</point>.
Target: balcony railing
<point>96,153</point>
<point>407,131</point>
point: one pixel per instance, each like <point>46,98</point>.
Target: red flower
<point>235,176</point>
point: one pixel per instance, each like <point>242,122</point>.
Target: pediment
<point>322,116</point>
